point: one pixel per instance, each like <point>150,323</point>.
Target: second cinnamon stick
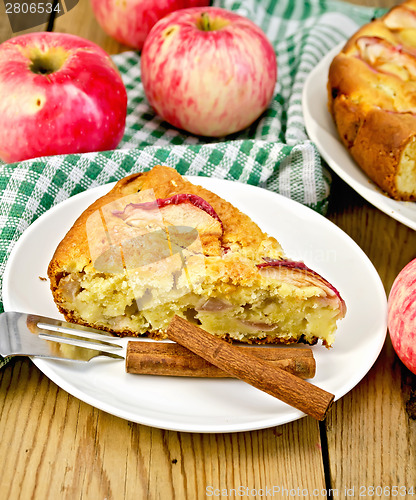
<point>290,389</point>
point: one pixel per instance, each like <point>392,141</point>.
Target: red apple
<point>208,71</point>
<point>402,315</point>
<point>130,21</point>
<point>59,94</point>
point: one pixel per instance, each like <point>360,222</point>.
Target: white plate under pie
<point>204,405</point>
<point>322,131</point>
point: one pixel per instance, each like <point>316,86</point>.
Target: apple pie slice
<point>157,245</point>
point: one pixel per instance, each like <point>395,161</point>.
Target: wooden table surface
<point>54,446</point>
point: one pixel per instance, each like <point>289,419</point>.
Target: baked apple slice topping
<point>385,57</point>
<point>400,18</point>
<point>298,274</point>
<point>185,210</point>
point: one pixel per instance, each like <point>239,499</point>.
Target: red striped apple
<point>402,315</point>
<point>208,71</point>
<point>59,94</point>
<point>129,21</point>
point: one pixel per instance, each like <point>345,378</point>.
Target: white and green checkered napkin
<point>274,152</point>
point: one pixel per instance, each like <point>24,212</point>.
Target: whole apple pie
<point>372,98</point>
<point>157,245</point>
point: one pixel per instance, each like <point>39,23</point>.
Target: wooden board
<point>54,446</point>
<point>371,436</point>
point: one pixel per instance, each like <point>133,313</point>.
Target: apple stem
<point>205,22</point>
<point>211,23</point>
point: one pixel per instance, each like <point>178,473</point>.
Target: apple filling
<point>275,311</point>
<point>406,175</point>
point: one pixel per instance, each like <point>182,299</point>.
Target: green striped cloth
<point>274,153</point>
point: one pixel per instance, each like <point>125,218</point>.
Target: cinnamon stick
<point>153,358</point>
<point>261,374</point>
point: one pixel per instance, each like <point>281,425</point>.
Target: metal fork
<point>24,334</point>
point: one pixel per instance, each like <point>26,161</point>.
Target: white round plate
<point>204,405</point>
<point>322,131</point>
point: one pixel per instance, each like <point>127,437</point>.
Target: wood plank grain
<point>80,21</point>
<point>389,244</point>
<point>6,30</point>
<point>56,446</point>
<point>371,437</point>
